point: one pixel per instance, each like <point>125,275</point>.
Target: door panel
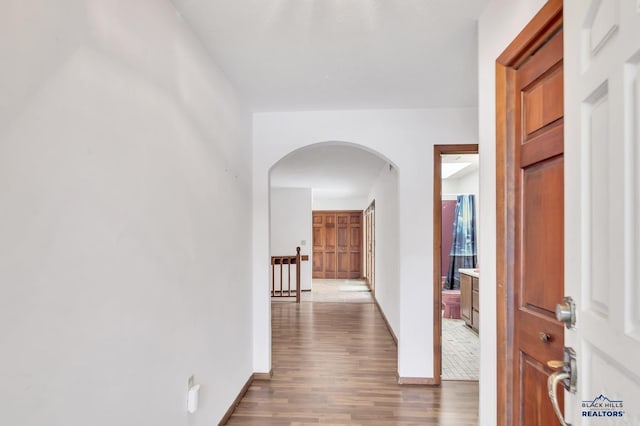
<point>355,246</point>
<point>318,237</point>
<point>330,232</point>
<point>329,264</point>
<point>536,405</point>
<point>550,88</point>
<point>318,264</point>
<point>329,247</point>
<point>603,190</point>
<point>542,263</point>
<point>343,265</point>
<point>342,235</point>
<point>343,238</point>
<point>355,241</point>
<point>354,259</point>
<point>318,246</point>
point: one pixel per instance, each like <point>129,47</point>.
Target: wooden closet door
<point>369,246</point>
<point>330,246</point>
<point>342,234</point>
<point>324,245</point>
<point>337,244</point>
<point>318,245</point>
<point>355,246</point>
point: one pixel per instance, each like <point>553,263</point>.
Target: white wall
<point>290,225</point>
<point>467,184</point>
<point>387,273</point>
<point>500,23</point>
<point>406,138</point>
<point>125,193</point>
<point>339,203</point>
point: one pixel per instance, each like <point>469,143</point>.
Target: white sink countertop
<point>474,272</point>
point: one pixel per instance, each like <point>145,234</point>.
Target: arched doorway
<point>343,177</point>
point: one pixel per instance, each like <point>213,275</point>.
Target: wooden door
<point>342,239</point>
<point>603,207</point>
<point>369,264</point>
<point>354,246</point>
<point>324,246</point>
<point>531,269</point>
<point>539,229</point>
<point>337,244</point>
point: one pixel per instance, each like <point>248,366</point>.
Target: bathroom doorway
<point>456,273</point>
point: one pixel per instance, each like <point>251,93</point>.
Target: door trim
<point>438,150</point>
<point>369,258</point>
<point>535,34</point>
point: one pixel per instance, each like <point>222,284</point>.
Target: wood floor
<point>335,363</point>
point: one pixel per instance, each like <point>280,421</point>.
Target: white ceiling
<point>471,164</point>
<point>341,54</point>
<point>331,170</point>
<point>285,55</point>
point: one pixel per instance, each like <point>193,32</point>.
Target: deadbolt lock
<point>566,312</point>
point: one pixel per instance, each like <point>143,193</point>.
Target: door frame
<point>438,150</point>
<point>369,258</point>
<point>533,36</point>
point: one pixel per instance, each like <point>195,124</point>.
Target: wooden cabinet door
<point>475,303</point>
<point>337,241</point>
<point>465,298</point>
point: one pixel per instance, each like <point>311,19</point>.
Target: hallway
<point>335,363</point>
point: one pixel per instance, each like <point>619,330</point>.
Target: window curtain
<point>463,242</point>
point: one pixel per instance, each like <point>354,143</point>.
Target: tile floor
<point>460,351</point>
<point>351,291</point>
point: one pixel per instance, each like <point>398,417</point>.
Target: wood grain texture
<point>337,244</point>
<point>335,363</point>
<point>539,233</point>
<point>504,331</point>
<point>536,33</point>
